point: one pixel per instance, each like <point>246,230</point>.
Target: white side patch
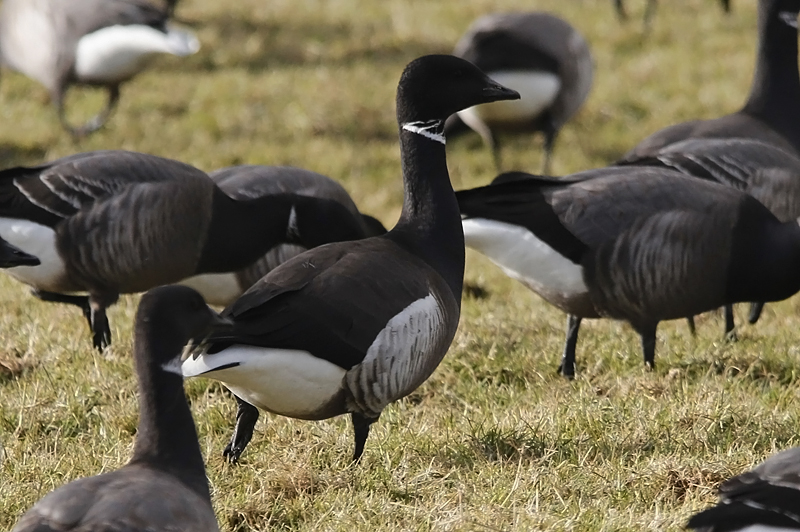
<point>766,528</point>
<point>524,257</point>
<point>283,381</point>
<point>116,53</point>
<point>428,129</point>
<point>537,90</point>
<point>216,288</point>
<point>399,358</point>
<point>39,241</point>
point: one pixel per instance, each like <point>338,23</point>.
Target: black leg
<point>755,312</point>
<point>549,141</point>
<point>95,123</point>
<point>730,324</point>
<point>690,323</point>
<point>567,366</point>
<point>246,417</point>
<point>648,336</point>
<point>360,432</point>
<point>101,331</point>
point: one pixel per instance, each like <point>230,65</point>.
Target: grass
<point>495,440</point>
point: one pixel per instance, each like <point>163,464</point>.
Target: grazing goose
<point>772,111</point>
<point>766,499</point>
<point>249,182</point>
<point>113,222</point>
<point>766,172</point>
<point>632,243</point>
<point>650,10</point>
<point>163,487</point>
<point>542,57</point>
<point>351,327</point>
<point>11,256</point>
<point>87,42</point>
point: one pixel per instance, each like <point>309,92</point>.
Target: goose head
<point>433,87</point>
<point>11,256</point>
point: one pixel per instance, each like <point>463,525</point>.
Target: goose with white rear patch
<point>163,488</point>
<point>766,172</point>
<point>254,181</point>
<point>766,499</point>
<point>86,42</point>
<point>114,222</point>
<point>638,244</point>
<point>352,327</point>
<point>537,54</point>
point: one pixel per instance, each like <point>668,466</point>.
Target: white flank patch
<point>537,90</point>
<point>283,381</point>
<point>524,257</point>
<point>39,241</point>
<point>216,288</point>
<point>766,528</point>
<point>397,361</point>
<point>116,53</point>
<point>29,45</point>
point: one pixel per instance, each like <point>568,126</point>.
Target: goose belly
<point>526,258</point>
<point>537,90</point>
<point>116,53</point>
<point>40,241</point>
<point>282,381</point>
<point>216,288</point>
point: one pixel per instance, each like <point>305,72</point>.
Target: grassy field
<point>495,440</point>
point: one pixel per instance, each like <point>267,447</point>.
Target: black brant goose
<point>772,111</point>
<point>113,222</point>
<point>766,172</point>
<point>637,244</point>
<point>164,486</point>
<point>542,57</point>
<point>87,42</point>
<point>766,499</point>
<point>650,10</point>
<point>250,182</point>
<point>12,256</point>
<point>351,327</point>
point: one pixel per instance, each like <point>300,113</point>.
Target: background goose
<point>250,182</point>
<point>764,499</point>
<point>768,173</point>
<point>164,485</point>
<point>351,327</point>
<point>772,111</point>
<point>115,222</point>
<point>537,54</point>
<point>637,244</point>
<point>89,42</point>
<point>650,10</point>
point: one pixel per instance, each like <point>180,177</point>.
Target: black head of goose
<point>650,10</point>
<point>766,499</point>
<point>351,327</point>
<point>116,222</point>
<point>772,111</point>
<point>632,243</point>
<point>542,57</point>
<point>12,256</point>
<point>253,181</point>
<point>766,172</point>
<point>164,486</point>
<point>89,42</point>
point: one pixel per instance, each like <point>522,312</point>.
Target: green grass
<point>495,440</point>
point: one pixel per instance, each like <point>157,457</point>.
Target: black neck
<point>166,437</point>
<point>241,231</point>
<point>430,224</point>
<point>775,92</point>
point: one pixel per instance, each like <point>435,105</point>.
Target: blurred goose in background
<point>164,486</point>
<point>103,43</point>
<point>352,327</point>
<point>766,172</point>
<point>537,54</point>
<point>772,111</point>
<point>650,10</point>
<point>766,499</point>
<point>251,182</point>
<point>637,244</point>
<point>113,222</point>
